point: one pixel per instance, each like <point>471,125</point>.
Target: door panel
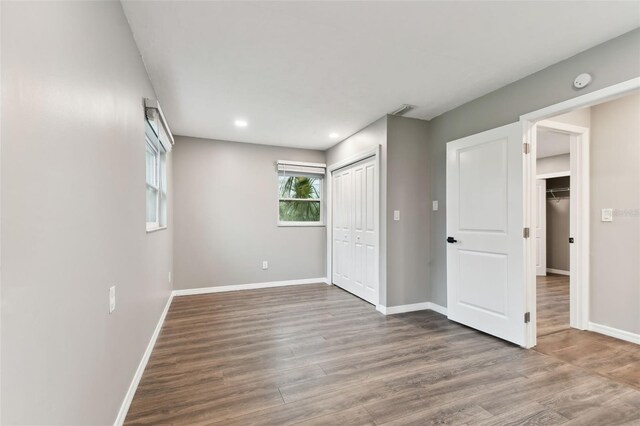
<point>485,275</point>
<point>483,281</point>
<point>482,171</point>
<point>336,260</point>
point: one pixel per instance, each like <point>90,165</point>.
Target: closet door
<point>355,236</point>
<point>342,214</point>
<point>365,239</point>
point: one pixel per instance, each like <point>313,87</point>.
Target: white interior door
<point>485,254</point>
<point>355,229</point>
<point>541,227</point>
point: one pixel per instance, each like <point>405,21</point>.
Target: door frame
<point>535,234</point>
<point>581,159</point>
<point>375,152</point>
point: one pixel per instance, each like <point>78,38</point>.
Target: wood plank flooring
<point>553,303</point>
<point>612,358</point>
<point>316,355</point>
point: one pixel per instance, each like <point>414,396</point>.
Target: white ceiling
<point>298,71</point>
<point>550,143</point>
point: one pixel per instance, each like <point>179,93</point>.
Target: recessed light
<point>241,123</point>
<point>333,135</point>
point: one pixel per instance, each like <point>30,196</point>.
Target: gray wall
<point>73,214</point>
<point>226,201</point>
<point>612,62</point>
<point>375,134</point>
<point>558,221</point>
<point>407,191</point>
<point>615,183</point>
<point>404,247</point>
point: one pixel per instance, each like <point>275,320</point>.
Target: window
<point>300,194</point>
<point>158,142</point>
<point>156,159</point>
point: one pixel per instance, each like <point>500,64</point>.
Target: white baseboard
<point>253,286</point>
<point>615,332</point>
<point>124,408</point>
<point>438,308</point>
<point>558,271</point>
<point>400,309</point>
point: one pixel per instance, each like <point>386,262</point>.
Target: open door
<point>541,228</point>
<point>485,250</point>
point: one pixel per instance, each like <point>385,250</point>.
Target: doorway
<point>492,211</point>
<point>554,219</point>
<point>592,299</point>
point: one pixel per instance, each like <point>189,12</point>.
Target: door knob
<point>451,240</point>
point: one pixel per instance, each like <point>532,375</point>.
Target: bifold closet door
<point>355,235</point>
<point>342,205</point>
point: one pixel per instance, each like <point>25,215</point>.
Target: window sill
<point>300,224</point>
<point>155,228</point>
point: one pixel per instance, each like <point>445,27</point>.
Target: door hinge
<point>526,147</point>
<point>527,317</point>
<point>525,233</point>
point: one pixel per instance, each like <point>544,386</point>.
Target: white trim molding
<point>558,271</point>
<point>438,308</point>
<point>124,408</point>
<point>253,286</point>
<point>401,309</point>
<point>615,332</point>
<point>553,175</point>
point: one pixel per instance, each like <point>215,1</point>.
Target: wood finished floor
<point>316,355</point>
<point>603,355</point>
<point>553,303</point>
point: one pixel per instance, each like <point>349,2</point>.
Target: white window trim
<point>159,151</point>
<point>286,224</point>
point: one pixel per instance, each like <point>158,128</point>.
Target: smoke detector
<point>582,81</point>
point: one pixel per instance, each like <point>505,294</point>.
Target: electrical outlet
<point>265,265</point>
<point>112,299</point>
<point>434,205</point>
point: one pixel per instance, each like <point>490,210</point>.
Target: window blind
<point>302,168</point>
<point>156,120</point>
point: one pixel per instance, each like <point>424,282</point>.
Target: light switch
<point>607,215</point>
<point>435,205</point>
<point>396,215</point>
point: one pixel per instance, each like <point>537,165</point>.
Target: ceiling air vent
<point>405,108</point>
